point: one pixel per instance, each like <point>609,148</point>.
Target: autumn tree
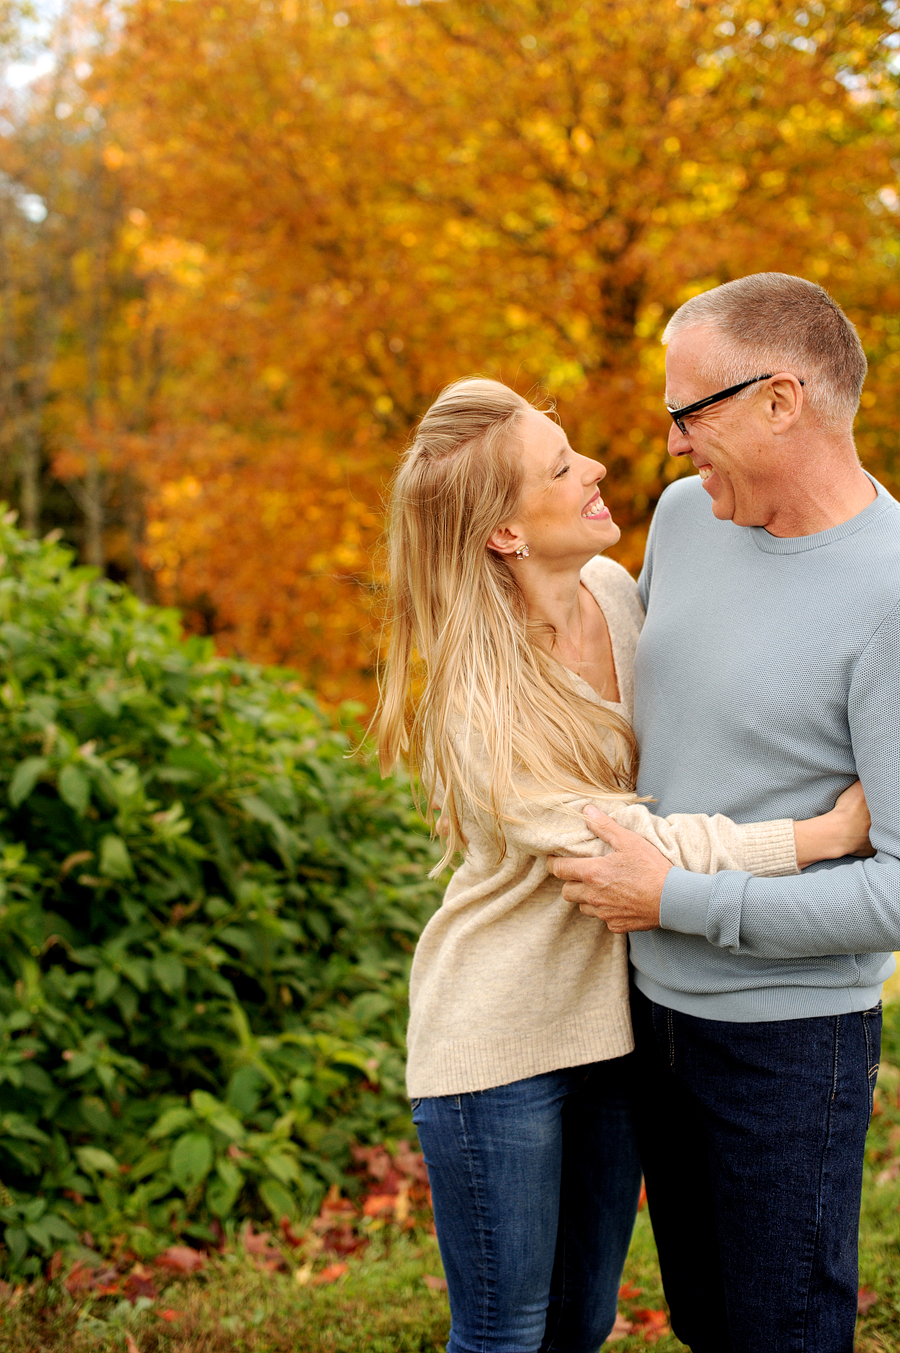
<point>333,211</point>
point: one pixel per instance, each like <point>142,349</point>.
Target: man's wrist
<point>684,905</point>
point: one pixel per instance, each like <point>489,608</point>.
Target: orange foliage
<point>334,211</point>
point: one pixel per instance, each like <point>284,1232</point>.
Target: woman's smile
<point>596,508</point>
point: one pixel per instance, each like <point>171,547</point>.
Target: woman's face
<point>561,516</point>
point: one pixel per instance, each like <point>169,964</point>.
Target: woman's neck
<point>552,600</point>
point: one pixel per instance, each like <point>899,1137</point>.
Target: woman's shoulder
<point>613,587</point>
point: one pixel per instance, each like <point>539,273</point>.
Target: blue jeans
<point>752,1139</point>
<point>535,1189</point>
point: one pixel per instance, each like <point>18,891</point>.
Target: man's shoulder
<point>686,496</point>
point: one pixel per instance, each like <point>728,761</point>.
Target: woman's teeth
<point>705,471</point>
<point>594,508</point>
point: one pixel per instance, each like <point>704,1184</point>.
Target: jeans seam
<point>469,1156</point>
<point>835,1074</point>
<point>872,1067</point>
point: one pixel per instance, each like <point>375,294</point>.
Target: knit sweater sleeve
<point>692,841</point>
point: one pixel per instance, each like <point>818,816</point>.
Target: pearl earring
<point>522,552</point>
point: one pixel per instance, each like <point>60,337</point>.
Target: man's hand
<point>624,888</point>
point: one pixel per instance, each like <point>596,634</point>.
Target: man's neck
<point>819,505</point>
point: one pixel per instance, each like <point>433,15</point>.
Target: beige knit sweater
<point>509,980</point>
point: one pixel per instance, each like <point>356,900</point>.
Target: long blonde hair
<point>458,620</point>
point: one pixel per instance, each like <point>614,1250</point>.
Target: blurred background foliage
<point>207,912</point>
<point>243,244</point>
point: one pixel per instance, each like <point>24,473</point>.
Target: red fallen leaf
<point>130,1345</point>
<point>255,1242</point>
<point>375,1158</point>
<point>181,1259</point>
<point>265,1255</point>
<point>334,1209</point>
<point>75,1197</point>
<point>169,1315</point>
<point>378,1204</point>
<point>79,1279</point>
<point>642,1198</point>
<point>653,1323</point>
<point>343,1240</point>
<point>433,1283</point>
<point>288,1235</point>
<point>329,1274</point>
<point>139,1284</point>
<point>866,1300</point>
<point>627,1291</point>
<point>621,1329</point>
<point>412,1163</point>
<point>55,1265</point>
<point>5,1290</point>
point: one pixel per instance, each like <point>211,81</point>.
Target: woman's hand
<point>843,831</point>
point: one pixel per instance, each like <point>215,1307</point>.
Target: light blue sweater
<point>767,677</point>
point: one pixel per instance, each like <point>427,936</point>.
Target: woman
<point>519,1027</point>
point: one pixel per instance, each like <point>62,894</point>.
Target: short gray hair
<point>773,322</point>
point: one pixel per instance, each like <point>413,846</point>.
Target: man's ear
<point>784,402</point>
<point>505,540</point>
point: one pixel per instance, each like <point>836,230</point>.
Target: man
<point>767,678</point>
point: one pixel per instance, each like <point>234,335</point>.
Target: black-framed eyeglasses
<point>678,415</point>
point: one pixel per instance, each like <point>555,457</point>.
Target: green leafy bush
<point>206,917</point>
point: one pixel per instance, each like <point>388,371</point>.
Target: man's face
<point>729,443</point>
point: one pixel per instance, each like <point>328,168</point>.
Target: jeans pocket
<point>871,1020</point>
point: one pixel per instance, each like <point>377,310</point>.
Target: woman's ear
<point>505,540</point>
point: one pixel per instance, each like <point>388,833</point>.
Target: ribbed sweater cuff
<point>684,905</point>
<point>769,848</point>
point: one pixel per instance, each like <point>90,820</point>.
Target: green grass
<point>382,1304</point>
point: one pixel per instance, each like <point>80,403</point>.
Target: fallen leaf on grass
<point>139,1283</point>
<point>130,1345</point>
<point>329,1274</point>
<point>627,1291</point>
<point>265,1255</point>
<point>642,1198</point>
<point>181,1259</point>
<point>169,1315</point>
<point>303,1274</point>
<point>866,1300</point>
<point>433,1283</point>
<point>889,1174</point>
<point>621,1329</point>
<point>378,1204</point>
<point>654,1324</point>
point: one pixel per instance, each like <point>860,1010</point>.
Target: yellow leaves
<point>274,379</point>
<point>113,156</point>
<point>338,221</point>
<point>516,317</point>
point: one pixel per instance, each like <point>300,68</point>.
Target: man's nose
<point>679,443</point>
